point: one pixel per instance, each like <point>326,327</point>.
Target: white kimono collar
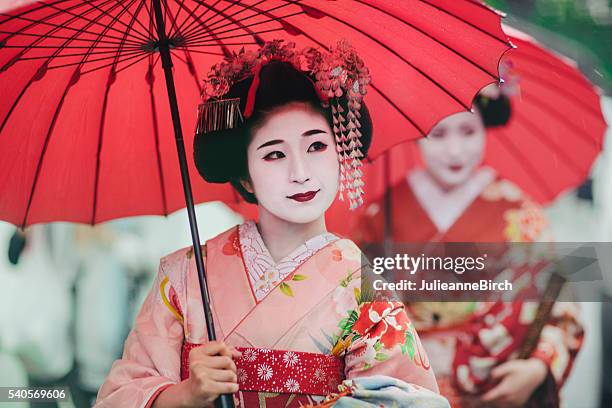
<point>264,273</point>
<point>445,207</point>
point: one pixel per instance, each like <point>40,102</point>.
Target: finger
<point>209,349</point>
<point>222,375</point>
<point>235,353</point>
<point>494,394</point>
<point>230,351</point>
<point>502,370</point>
<point>223,387</point>
<point>220,362</point>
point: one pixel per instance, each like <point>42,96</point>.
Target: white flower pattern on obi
<point>290,371</point>
<point>292,385</point>
<point>249,355</point>
<point>290,359</point>
<point>264,273</point>
<point>264,372</point>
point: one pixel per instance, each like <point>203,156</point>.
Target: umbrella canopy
<point>85,122</point>
<point>554,135</point>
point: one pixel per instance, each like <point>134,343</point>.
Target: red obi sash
<point>281,371</point>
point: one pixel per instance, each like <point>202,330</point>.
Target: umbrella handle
<point>225,400</point>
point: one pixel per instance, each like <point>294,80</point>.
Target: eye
<point>275,155</point>
<point>468,131</point>
<point>317,147</point>
<point>437,134</point>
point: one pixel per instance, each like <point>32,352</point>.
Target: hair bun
<point>494,112</point>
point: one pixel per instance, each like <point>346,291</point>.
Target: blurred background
<point>70,292</point>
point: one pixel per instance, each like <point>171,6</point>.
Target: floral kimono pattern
<point>302,324</point>
<point>465,343</point>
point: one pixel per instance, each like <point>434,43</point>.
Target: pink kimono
<point>302,325</point>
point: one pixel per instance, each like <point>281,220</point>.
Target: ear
<point>246,184</point>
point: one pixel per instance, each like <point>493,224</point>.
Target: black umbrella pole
<point>225,400</point>
<point>387,235</point>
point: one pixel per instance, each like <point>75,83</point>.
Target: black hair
<point>221,156</point>
<point>494,112</point>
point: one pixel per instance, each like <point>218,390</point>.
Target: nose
<point>455,147</point>
<point>298,172</point>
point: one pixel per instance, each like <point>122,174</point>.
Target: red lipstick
<point>302,197</point>
<point>455,167</point>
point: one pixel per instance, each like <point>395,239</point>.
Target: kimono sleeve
<point>151,355</point>
<point>383,341</point>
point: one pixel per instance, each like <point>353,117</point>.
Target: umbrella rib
<point>151,18</point>
<point>131,54</point>
<point>251,33</point>
<point>545,137</point>
<point>52,127</point>
<point>44,5</point>
<point>197,19</point>
<point>521,158</point>
<point>149,35</point>
<point>467,22</point>
<point>172,19</point>
<point>244,8</point>
<point>64,27</point>
<point>142,56</point>
<point>209,43</point>
<point>42,37</point>
<point>573,73</point>
<point>130,27</point>
<point>34,22</point>
<point>141,38</point>
<point>544,81</point>
<point>226,51</point>
<point>56,37</point>
<point>228,17</point>
<point>412,122</point>
<point>41,69</point>
<point>201,36</point>
<point>191,30</point>
<point>210,52</point>
<point>562,118</point>
<point>493,75</point>
<point>111,79</point>
<point>178,14</point>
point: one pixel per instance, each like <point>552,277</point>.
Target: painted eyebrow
<point>313,132</point>
<point>279,141</point>
<point>270,143</point>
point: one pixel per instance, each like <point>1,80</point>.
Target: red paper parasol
<point>554,135</point>
<point>84,114</point>
<point>84,121</point>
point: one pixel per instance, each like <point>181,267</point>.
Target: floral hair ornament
<point>336,73</point>
<point>509,84</point>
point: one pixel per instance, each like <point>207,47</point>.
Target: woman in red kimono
<point>285,292</point>
<point>456,199</point>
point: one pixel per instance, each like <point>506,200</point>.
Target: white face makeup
<point>454,148</point>
<point>293,164</point>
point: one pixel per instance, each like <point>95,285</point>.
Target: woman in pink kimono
<point>285,292</point>
<point>456,199</point>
